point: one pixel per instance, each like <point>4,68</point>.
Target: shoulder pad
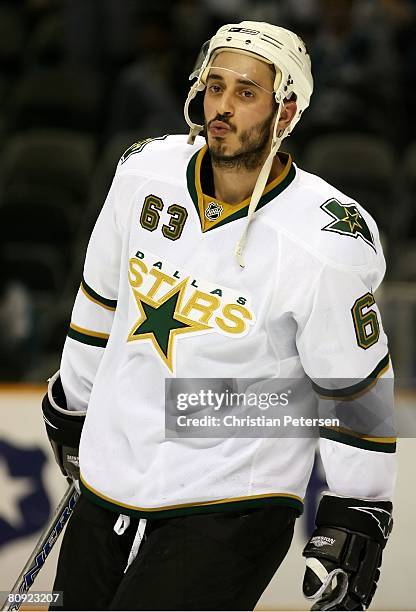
<point>154,155</point>
<point>331,224</point>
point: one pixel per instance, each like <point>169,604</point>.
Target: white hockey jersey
<point>163,296</point>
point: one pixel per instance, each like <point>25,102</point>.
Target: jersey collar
<point>231,212</point>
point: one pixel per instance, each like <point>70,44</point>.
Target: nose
<point>225,104</point>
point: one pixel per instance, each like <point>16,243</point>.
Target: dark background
<point>81,80</point>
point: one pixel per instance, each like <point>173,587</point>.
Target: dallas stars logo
<point>347,221</point>
<point>161,322</point>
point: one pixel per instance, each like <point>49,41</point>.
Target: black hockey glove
<point>63,427</point>
<point>344,553</point>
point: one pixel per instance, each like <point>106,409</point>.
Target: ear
<point>288,112</point>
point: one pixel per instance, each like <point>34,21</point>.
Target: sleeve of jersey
<point>94,308</point>
<point>344,351</point>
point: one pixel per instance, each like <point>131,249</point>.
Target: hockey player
<point>217,257</point>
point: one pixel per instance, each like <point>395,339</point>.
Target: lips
<point>219,128</point>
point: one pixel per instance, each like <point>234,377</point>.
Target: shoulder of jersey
<point>165,156</point>
<point>328,223</point>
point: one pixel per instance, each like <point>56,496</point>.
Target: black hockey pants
<point>218,561</point>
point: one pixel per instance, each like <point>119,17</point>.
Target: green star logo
<point>347,221</point>
<point>161,322</point>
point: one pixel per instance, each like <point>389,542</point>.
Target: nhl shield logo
<point>213,211</point>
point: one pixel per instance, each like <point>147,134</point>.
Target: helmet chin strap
<point>259,187</point>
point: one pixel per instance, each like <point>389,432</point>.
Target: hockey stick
<point>42,549</point>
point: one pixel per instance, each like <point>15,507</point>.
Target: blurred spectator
<point>304,11</point>
<point>226,11</point>
<point>143,96</point>
<point>191,24</point>
<point>283,13</point>
<point>12,38</point>
<point>355,69</point>
<point>45,46</point>
<point>401,14</point>
<point>99,33</point>
<point>37,11</point>
<point>16,327</point>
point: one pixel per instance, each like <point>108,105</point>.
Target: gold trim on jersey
<point>231,212</point>
<point>356,434</point>
<point>95,297</point>
<point>89,332</point>
<point>191,507</point>
<point>358,440</point>
<point>87,336</point>
<point>355,391</point>
<point>94,300</point>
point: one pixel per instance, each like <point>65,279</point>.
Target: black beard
<point>249,158</point>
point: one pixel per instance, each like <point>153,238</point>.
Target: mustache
<point>224,119</point>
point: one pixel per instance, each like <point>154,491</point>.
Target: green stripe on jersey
<point>87,338</point>
<point>187,510</point>
<point>354,440</point>
<point>96,297</point>
<point>354,389</point>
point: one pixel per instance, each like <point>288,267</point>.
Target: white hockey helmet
<point>278,46</point>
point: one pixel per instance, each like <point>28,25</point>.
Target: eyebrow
<point>218,77</point>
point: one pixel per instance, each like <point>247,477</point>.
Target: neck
<point>233,185</point>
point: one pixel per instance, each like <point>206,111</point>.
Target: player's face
<point>239,110</point>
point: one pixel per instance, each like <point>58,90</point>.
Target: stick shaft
<point>44,546</point>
